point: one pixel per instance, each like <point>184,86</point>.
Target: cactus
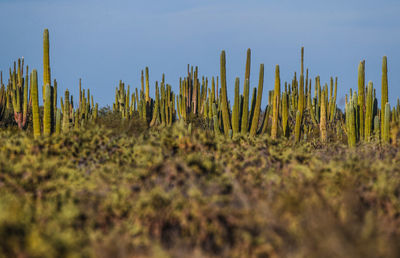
<point>65,126</point>
<point>297,126</point>
<point>322,123</point>
<point>147,85</point>
<point>46,62</point>
<point>47,116</point>
<point>19,94</point>
<point>377,126</point>
<point>76,120</point>
<point>236,109</point>
<point>333,104</point>
<point>361,98</point>
<point>224,98</point>
<point>215,119</point>
<point>285,114</point>
<point>368,113</point>
<point>351,123</point>
<point>384,95</point>
<point>58,121</point>
<point>300,104</point>
<point>274,129</point>
<point>256,115</point>
<point>35,104</point>
<point>245,108</point>
<point>386,119</point>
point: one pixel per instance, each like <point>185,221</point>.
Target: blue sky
<point>105,41</point>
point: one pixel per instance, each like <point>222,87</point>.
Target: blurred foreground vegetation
<point>120,189</point>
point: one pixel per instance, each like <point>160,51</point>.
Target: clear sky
<point>104,41</point>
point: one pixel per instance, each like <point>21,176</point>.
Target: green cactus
<point>35,104</point>
<point>66,123</point>
<point>19,94</point>
<point>377,126</point>
<point>245,107</point>
<point>277,92</point>
<point>76,120</point>
<point>323,118</point>
<point>236,109</point>
<point>224,98</point>
<point>368,113</point>
<point>147,85</point>
<point>300,106</point>
<point>285,114</point>
<point>297,127</point>
<point>257,109</point>
<point>361,97</point>
<point>384,95</point>
<point>351,123</point>
<point>47,116</point>
<point>386,132</point>
<point>215,119</point>
<point>58,122</point>
<point>46,62</point>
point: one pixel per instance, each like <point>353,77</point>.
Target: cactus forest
<point>190,172</point>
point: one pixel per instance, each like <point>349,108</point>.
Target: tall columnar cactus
<point>322,123</point>
<point>224,97</point>
<point>46,62</point>
<point>147,85</point>
<point>275,107</point>
<point>35,104</point>
<point>256,115</point>
<point>55,96</point>
<point>351,123</point>
<point>47,116</point>
<point>297,127</point>
<point>386,119</point>
<point>369,108</point>
<point>215,119</point>
<point>361,98</point>
<point>236,109</point>
<point>58,121</point>
<point>384,95</point>
<point>245,107</point>
<point>333,104</point>
<point>65,127</point>
<point>300,105</point>
<point>285,114</point>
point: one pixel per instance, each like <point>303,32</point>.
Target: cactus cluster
<point>21,96</point>
<point>292,112</point>
<point>158,111</point>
